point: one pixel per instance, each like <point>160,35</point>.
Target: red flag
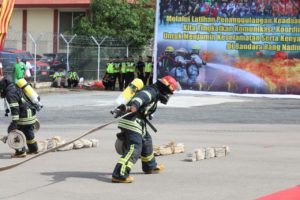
<point>5,15</point>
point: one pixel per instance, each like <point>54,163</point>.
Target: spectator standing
<point>19,70</point>
<point>123,72</point>
<point>140,67</point>
<point>117,72</point>
<point>28,69</point>
<point>130,69</point>
<point>109,79</point>
<point>148,71</point>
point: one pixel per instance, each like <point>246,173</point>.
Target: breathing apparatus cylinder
<point>136,85</point>
<point>29,92</point>
<point>126,96</point>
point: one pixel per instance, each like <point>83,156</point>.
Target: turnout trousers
<point>137,145</point>
<point>30,140</point>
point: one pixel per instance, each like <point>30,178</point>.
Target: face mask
<point>164,98</point>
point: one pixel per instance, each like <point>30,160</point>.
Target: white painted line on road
<point>190,101</point>
<point>275,96</point>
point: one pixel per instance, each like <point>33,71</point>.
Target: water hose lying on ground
<point>60,146</point>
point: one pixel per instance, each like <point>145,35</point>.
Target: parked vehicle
<point>8,60</point>
<point>42,68</point>
<point>55,60</point>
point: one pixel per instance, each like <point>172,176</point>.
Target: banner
<point>7,7</point>
<point>241,46</point>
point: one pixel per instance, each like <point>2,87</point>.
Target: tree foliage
<point>134,23</point>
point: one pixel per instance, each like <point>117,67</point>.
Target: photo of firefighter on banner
<point>243,46</point>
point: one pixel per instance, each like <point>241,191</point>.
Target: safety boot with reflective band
<point>129,179</point>
<point>158,169</point>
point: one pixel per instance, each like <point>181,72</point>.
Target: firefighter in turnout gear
<point>23,115</point>
<point>137,141</point>
<point>166,62</point>
<point>193,67</point>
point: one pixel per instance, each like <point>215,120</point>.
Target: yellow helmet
<point>195,49</point>
<point>169,49</point>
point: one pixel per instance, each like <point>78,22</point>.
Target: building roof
<point>62,3</point>
<point>51,3</point>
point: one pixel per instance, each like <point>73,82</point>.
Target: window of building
<point>66,21</point>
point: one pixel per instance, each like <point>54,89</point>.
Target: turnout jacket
<point>21,110</point>
<point>146,103</point>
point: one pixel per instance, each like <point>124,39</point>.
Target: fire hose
<point>60,146</point>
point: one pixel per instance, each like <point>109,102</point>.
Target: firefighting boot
<point>129,179</point>
<point>32,152</point>
<point>19,154</point>
<point>158,169</point>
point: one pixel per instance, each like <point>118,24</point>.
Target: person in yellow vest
<point>109,79</point>
<point>123,72</point>
<point>59,77</point>
<point>130,70</point>
<point>148,71</point>
<point>117,72</point>
<point>73,78</point>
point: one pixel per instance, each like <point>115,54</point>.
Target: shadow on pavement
<point>62,176</point>
<point>5,155</point>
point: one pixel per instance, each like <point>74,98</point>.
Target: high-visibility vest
<point>123,67</point>
<point>148,67</point>
<point>110,68</point>
<point>58,74</point>
<point>73,75</point>
<point>130,67</point>
<point>116,67</point>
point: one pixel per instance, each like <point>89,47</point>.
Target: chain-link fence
<point>87,55</point>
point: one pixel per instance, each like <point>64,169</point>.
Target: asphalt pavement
<point>262,133</point>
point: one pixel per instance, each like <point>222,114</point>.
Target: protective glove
<point>6,112</point>
<point>119,111</point>
<point>13,126</point>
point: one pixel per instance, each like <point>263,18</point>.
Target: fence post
<point>127,47</point>
<point>99,49</point>
<point>34,42</point>
<point>68,48</point>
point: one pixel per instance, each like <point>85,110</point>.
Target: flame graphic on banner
<point>5,15</point>
<point>281,74</point>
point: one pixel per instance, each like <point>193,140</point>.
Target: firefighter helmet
<point>169,49</point>
<point>196,49</point>
<point>181,51</point>
<point>168,84</point>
